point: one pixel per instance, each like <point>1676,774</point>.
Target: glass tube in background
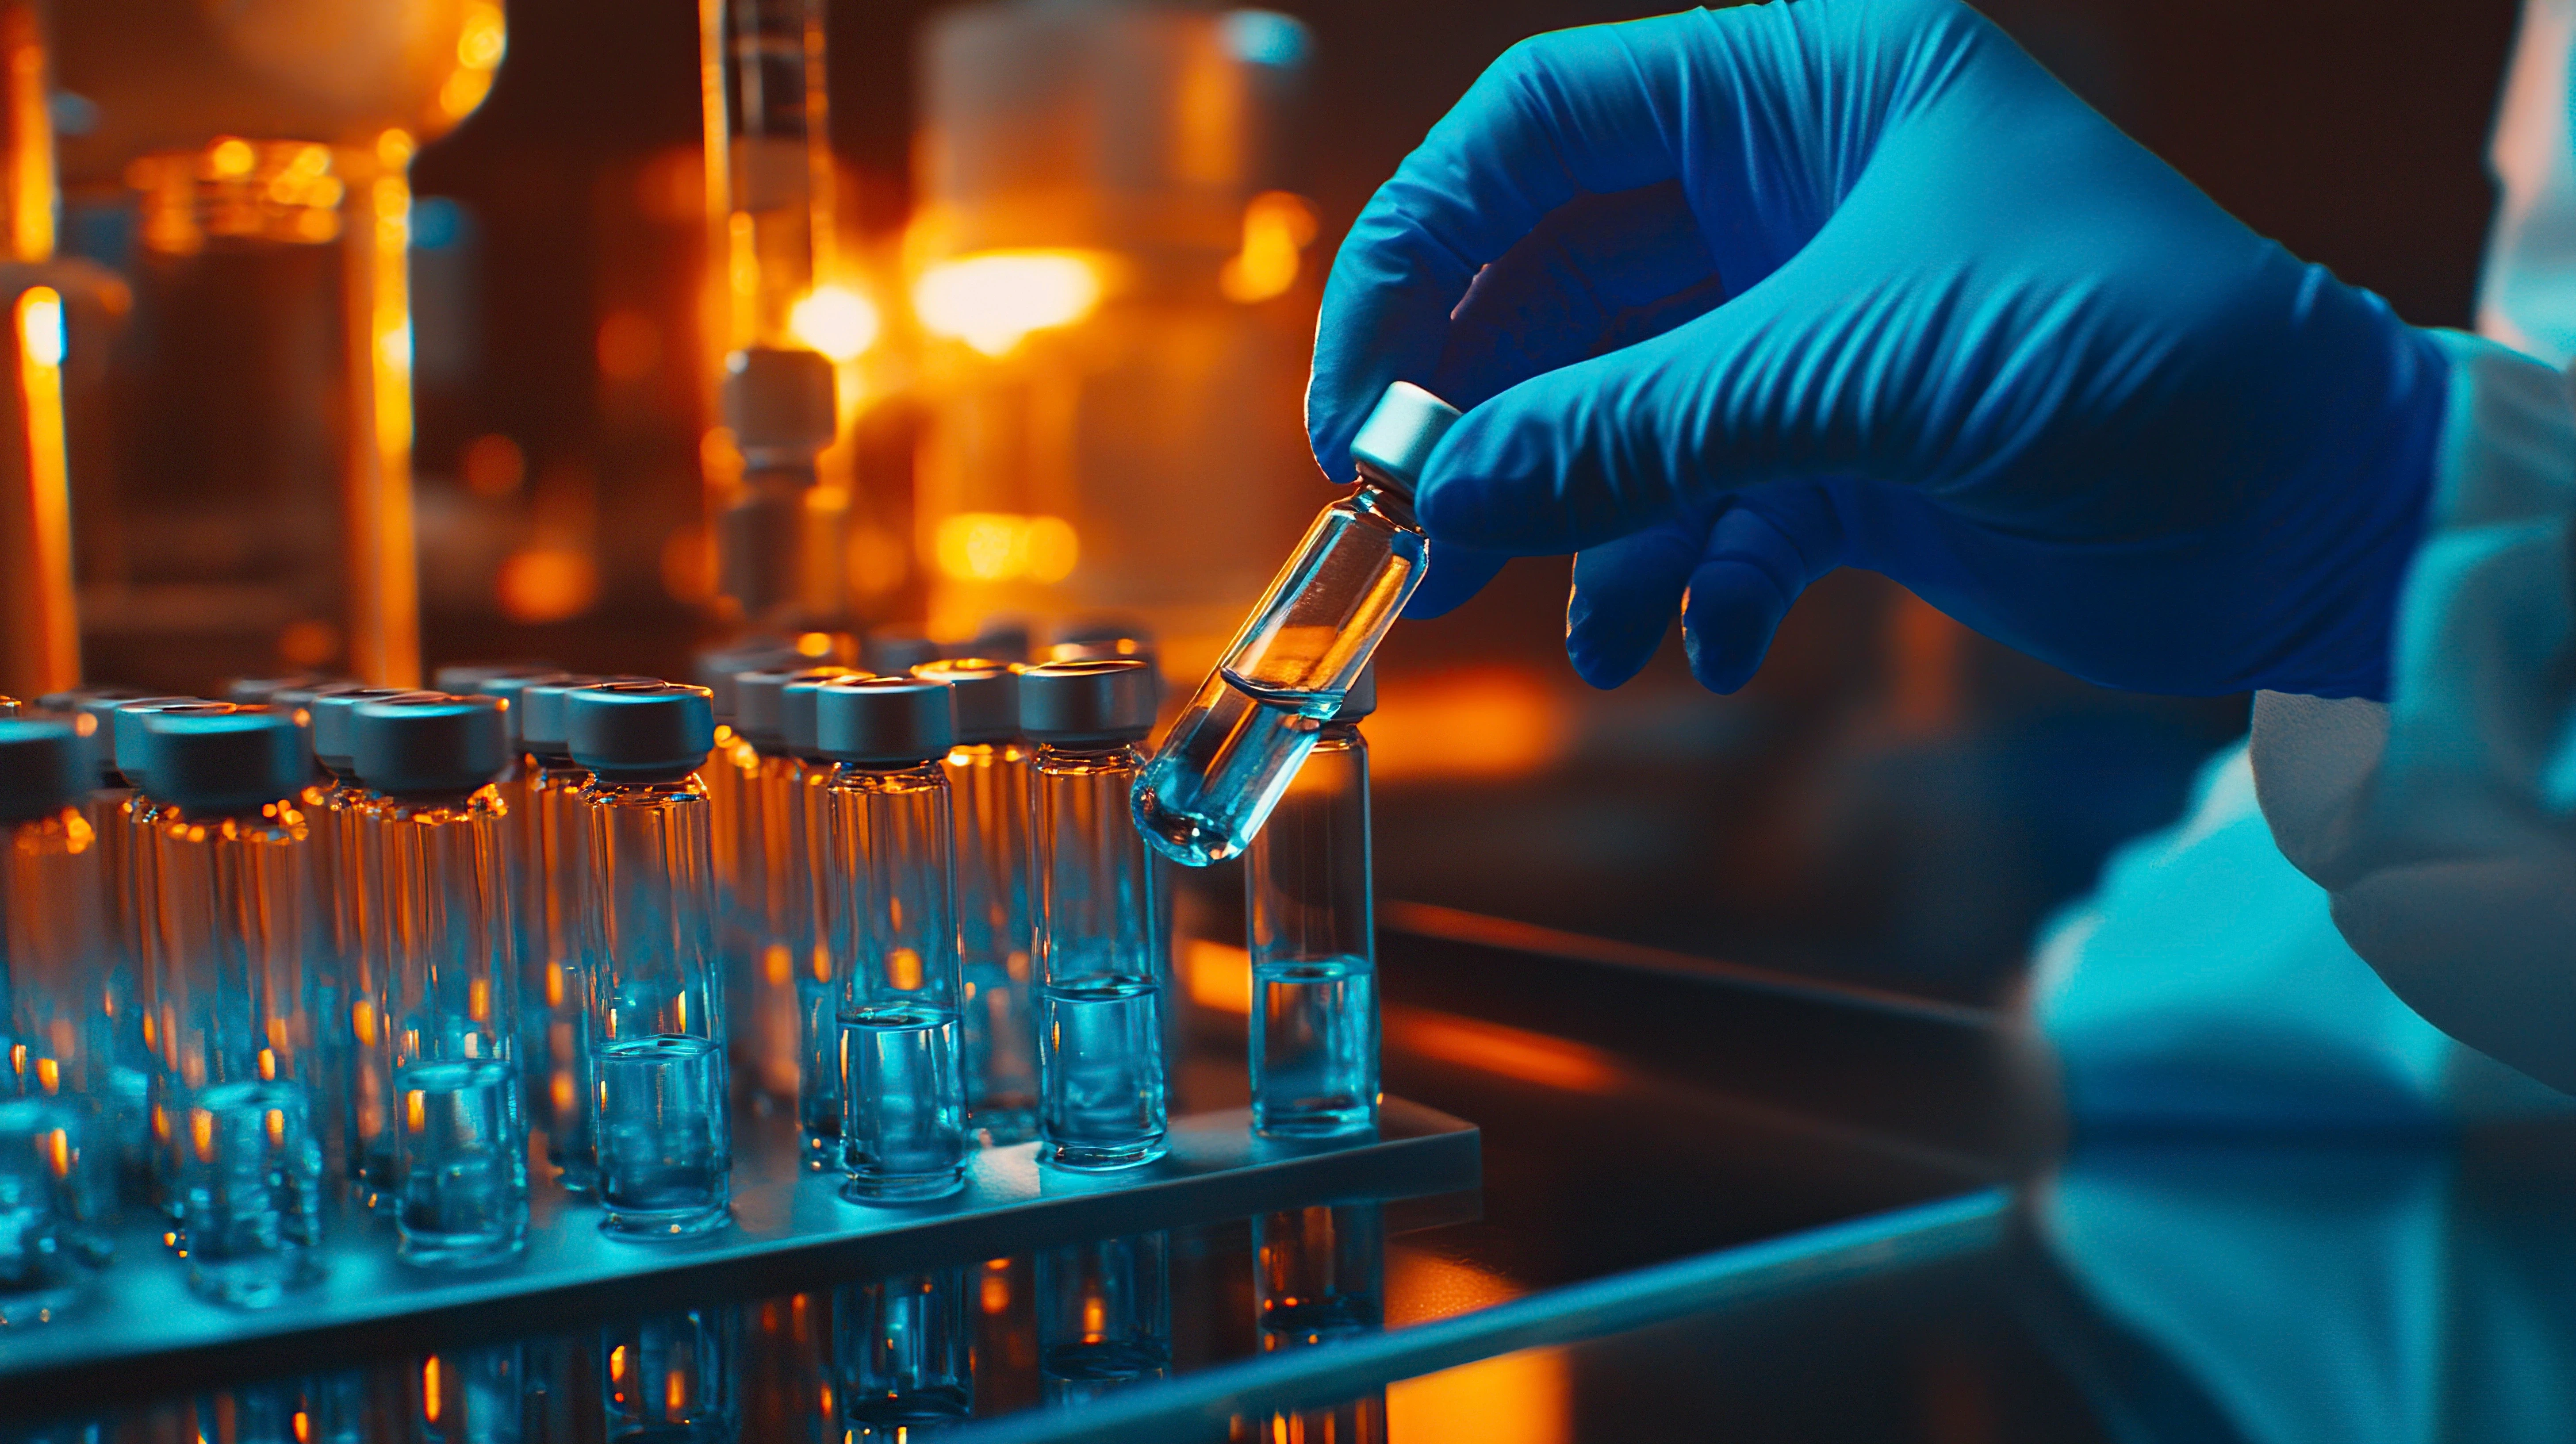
<point>464,1396</point>
<point>903,1093</point>
<point>819,974</point>
<point>905,1355</point>
<point>669,1378</point>
<point>558,862</point>
<point>1103,1090</point>
<point>56,958</point>
<point>1104,1315</point>
<point>1314,1026</point>
<point>656,1016</point>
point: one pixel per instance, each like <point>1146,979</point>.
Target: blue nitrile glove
<point>1972,337</point>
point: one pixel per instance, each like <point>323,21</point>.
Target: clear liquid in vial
<point>1001,1061</point>
<point>1313,1057</point>
<point>464,1162</point>
<point>251,1194</point>
<point>1101,1069</point>
<point>665,1145</point>
<point>1214,781</point>
<point>903,1120</point>
<point>569,1145</point>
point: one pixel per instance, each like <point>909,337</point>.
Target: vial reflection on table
<point>1104,1315</point>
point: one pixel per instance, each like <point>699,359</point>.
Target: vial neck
<point>1387,497</point>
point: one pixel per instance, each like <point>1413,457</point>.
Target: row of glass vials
<point>869,1359</point>
<point>337,942</point>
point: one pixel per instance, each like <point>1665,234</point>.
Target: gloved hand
<point>1741,296</point>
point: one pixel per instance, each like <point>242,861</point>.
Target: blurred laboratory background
<point>335,281</point>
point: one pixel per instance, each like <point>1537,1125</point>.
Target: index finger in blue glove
<point>1556,116</point>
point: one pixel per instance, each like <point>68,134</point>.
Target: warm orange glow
<point>992,300</point>
<point>384,575</point>
<point>1472,723</point>
<point>992,546</point>
<point>1522,1398</point>
<point>303,1424</point>
<point>429,1400</point>
<point>30,158</point>
<point>49,1075</point>
<point>59,1150</point>
<point>480,43</point>
<point>1277,228</point>
<point>478,995</point>
<point>903,970</point>
<point>276,1121</point>
<point>617,1363</point>
<point>546,584</point>
<point>1095,1319</point>
<point>837,321</point>
<point>493,465</point>
<point>1493,1048</point>
<point>1218,975</point>
<point>50,626</point>
<point>201,1134</point>
<point>1926,652</point>
<point>777,964</point>
<point>996,1293</point>
<point>362,1021</point>
<point>416,1111</point>
<point>675,1393</point>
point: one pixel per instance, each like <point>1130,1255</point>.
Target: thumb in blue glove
<point>1971,337</point>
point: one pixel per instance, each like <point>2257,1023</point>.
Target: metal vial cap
<point>1361,699</point>
<point>884,721</point>
<point>125,729</point>
<point>466,679</point>
<point>222,761</point>
<point>428,742</point>
<point>44,767</point>
<point>262,691</point>
<point>1111,700</point>
<point>796,711</point>
<point>1399,434</point>
<point>640,731</point>
<point>760,701</point>
<point>893,651</point>
<point>333,709</point>
<point>987,693</point>
<point>716,667</point>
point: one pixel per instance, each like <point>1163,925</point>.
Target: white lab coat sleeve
<point>2444,823</point>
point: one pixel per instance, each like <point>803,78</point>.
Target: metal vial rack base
<point>139,1331</point>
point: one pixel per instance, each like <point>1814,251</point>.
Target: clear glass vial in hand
<point>439,902</point>
<point>656,1015</point>
<point>1231,754</point>
<point>988,776</point>
<point>892,859</point>
<point>1102,1084</point>
<point>1309,897</point>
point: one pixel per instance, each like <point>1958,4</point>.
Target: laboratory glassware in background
<point>56,1139</point>
<point>893,859</point>
<point>232,949</point>
<point>1104,1315</point>
<point>265,151</point>
<point>769,177</point>
<point>763,977</point>
<point>1115,305</point>
<point>1309,895</point>
<point>671,1378</point>
<point>988,779</point>
<point>1101,965</point>
<point>439,915</point>
<point>1224,764</point>
<point>905,1355</point>
<point>657,1024</point>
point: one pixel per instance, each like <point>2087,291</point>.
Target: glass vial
<point>1104,1315</point>
<point>552,906</point>
<point>905,1354</point>
<point>763,977</point>
<point>1310,900</point>
<point>988,776</point>
<point>728,775</point>
<point>439,914</point>
<point>656,1015</point>
<point>892,850</point>
<point>1231,754</point>
<point>230,944</point>
<point>360,1101</point>
<point>55,1187</point>
<point>819,974</point>
<point>1100,953</point>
